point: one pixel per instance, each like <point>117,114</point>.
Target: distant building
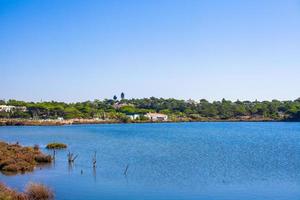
<point>21,108</point>
<point>120,105</point>
<point>157,116</point>
<point>6,108</point>
<point>190,101</point>
<point>134,116</point>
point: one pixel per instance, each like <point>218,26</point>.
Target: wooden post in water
<point>71,157</point>
<point>95,159</point>
<point>126,169</point>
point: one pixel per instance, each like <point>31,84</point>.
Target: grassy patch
<point>33,191</point>
<point>56,146</point>
<point>38,192</point>
<point>14,158</point>
<point>9,194</point>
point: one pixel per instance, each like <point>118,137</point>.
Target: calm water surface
<point>168,161</point>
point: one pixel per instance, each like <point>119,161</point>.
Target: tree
<point>14,102</point>
<point>115,98</point>
<point>240,110</point>
<point>128,110</point>
<point>71,113</point>
<point>278,110</point>
<point>122,96</point>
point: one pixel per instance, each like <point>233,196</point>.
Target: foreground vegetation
<point>33,191</point>
<point>15,159</point>
<point>177,110</point>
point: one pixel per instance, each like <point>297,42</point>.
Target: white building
<point>5,108</point>
<point>21,108</point>
<point>157,116</point>
<point>134,116</point>
<point>190,101</point>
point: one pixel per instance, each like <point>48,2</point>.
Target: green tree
<point>122,96</point>
<point>115,98</point>
<point>128,110</point>
<point>71,113</point>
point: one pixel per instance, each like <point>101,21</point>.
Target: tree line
<point>174,108</point>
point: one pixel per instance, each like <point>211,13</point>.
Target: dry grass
<point>10,194</point>
<point>15,158</point>
<point>33,191</point>
<point>56,146</point>
<point>43,158</point>
<point>36,191</point>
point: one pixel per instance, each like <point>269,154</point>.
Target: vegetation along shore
<point>33,191</point>
<point>15,159</point>
<point>14,112</point>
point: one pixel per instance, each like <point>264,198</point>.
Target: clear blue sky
<point>70,50</point>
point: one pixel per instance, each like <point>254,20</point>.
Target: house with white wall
<point>134,116</point>
<point>157,116</point>
<point>6,108</point>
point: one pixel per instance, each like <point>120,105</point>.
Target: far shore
<point>50,122</point>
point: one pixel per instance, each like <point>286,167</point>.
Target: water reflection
<point>70,167</point>
<point>95,174</point>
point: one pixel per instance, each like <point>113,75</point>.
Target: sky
<point>72,50</point>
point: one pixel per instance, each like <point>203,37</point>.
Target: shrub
<point>56,146</point>
<point>21,166</point>
<point>9,194</point>
<point>33,191</point>
<point>6,162</point>
<point>24,166</point>
<point>10,168</point>
<point>36,191</point>
<point>43,158</point>
<point>15,158</point>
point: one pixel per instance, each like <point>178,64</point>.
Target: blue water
<point>248,161</point>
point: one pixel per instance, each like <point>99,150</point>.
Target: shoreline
<point>30,122</point>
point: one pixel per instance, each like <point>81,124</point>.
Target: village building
<point>190,101</point>
<point>6,108</point>
<point>134,116</point>
<point>21,108</point>
<point>60,118</point>
<point>157,116</point>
